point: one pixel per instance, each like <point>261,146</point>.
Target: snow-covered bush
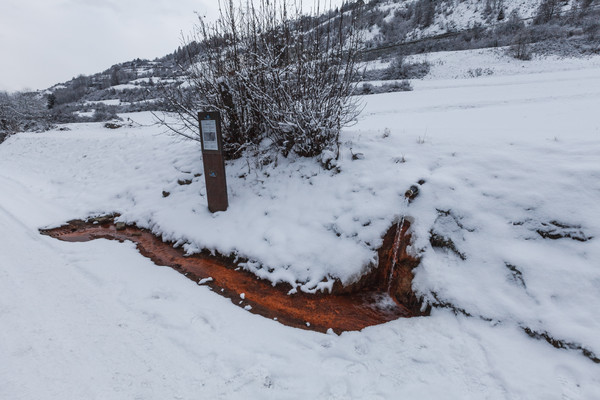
<point>22,112</point>
<point>275,74</point>
<point>387,87</point>
<point>104,113</point>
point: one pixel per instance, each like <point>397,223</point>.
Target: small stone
<point>165,193</point>
<point>101,220</point>
<point>112,125</point>
<point>120,226</point>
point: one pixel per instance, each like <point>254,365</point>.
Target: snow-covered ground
<point>111,102</point>
<point>506,158</point>
<point>494,62</point>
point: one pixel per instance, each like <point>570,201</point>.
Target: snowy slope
<point>503,156</point>
<point>459,15</point>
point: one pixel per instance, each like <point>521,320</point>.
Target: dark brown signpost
<point>214,164</point>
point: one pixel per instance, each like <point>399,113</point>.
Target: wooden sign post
<point>214,163</point>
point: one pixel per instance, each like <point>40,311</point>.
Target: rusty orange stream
<point>365,303</point>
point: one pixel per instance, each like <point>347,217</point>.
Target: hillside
<point>391,29</point>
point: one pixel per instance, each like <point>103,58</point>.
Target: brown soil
<point>373,300</point>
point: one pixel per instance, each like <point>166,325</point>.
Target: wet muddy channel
<point>382,295</point>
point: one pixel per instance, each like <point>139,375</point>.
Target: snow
<point>452,65</point>
<point>503,156</point>
<point>125,86</point>
<point>110,102</point>
<point>371,33</point>
<point>148,79</point>
<point>86,114</point>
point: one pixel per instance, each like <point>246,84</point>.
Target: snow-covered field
<point>507,159</point>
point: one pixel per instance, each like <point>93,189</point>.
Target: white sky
<point>44,42</point>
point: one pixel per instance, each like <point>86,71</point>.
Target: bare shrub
<point>592,29</point>
<point>400,69</point>
<point>280,78</point>
<point>520,47</point>
<point>477,72</point>
<point>22,112</point>
<point>388,87</point>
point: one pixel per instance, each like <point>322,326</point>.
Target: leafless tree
<point>520,47</point>
<point>546,11</point>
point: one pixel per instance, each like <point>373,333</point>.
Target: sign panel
<point>209,134</point>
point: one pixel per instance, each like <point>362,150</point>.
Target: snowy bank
<point>507,227</point>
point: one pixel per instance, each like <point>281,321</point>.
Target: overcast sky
<point>43,42</point>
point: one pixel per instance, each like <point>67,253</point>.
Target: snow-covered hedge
<point>273,73</point>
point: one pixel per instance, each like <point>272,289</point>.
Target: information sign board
<point>213,160</point>
<point>209,134</point>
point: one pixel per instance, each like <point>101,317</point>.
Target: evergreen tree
<point>51,101</point>
<point>114,76</point>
